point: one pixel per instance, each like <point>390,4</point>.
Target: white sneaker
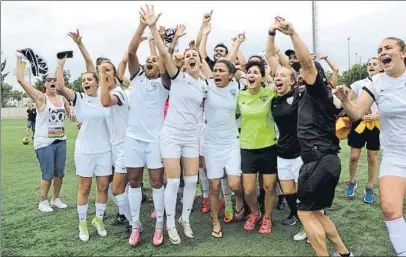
<point>173,235</point>
<point>99,224</point>
<point>45,207</point>
<point>187,230</point>
<point>338,255</point>
<point>58,203</point>
<point>300,236</point>
<point>83,232</point>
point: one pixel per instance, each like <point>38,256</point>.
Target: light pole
<point>349,60</point>
<point>356,58</point>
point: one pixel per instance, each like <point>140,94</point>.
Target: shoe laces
<point>252,218</point>
<point>266,222</point>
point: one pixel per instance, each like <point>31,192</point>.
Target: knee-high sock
<point>397,234</point>
<point>135,198</point>
<point>204,182</point>
<point>189,193</point>
<point>291,199</point>
<point>225,188</point>
<point>112,197</point>
<point>170,196</point>
<point>158,195</point>
<point>124,206</point>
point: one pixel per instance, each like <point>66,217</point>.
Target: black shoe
<point>120,219</point>
<point>280,205</point>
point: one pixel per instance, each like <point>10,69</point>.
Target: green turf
<point>26,231</point>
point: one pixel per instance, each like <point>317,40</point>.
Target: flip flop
<point>218,233</point>
<point>239,215</point>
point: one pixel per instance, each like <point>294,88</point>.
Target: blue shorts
<point>52,160</point>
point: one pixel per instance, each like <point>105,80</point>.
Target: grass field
<point>25,231</point>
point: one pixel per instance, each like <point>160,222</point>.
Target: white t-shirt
<point>390,95</point>
<point>93,136</point>
<point>147,104</point>
<point>357,88</point>
<point>220,106</point>
<point>49,124</point>
<point>185,108</point>
<point>118,119</point>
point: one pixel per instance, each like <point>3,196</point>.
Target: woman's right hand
<point>76,36</point>
<point>149,16</point>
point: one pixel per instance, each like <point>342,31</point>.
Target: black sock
<point>291,199</point>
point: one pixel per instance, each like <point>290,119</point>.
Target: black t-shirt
<point>210,62</point>
<point>317,119</point>
<point>32,114</point>
<point>284,111</point>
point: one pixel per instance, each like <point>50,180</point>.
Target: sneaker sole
<point>175,242</point>
<point>158,245</point>
<point>368,202</point>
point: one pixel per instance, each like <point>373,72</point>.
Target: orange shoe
<point>252,221</point>
<point>205,206</point>
<point>266,226</point>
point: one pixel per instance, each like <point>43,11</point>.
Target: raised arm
<point>133,62</point>
<point>68,93</point>
<point>354,110</point>
<point>302,52</point>
<point>206,19</point>
<point>203,43</point>
<point>122,67</point>
<point>36,95</point>
<point>236,47</point>
<point>150,19</point>
<point>106,81</point>
<point>77,38</point>
<point>333,66</point>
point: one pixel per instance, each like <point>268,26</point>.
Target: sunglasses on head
<point>50,79</point>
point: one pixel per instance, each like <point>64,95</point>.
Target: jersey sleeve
<point>77,99</point>
<point>121,97</point>
<point>139,73</point>
<point>371,88</point>
<point>319,88</point>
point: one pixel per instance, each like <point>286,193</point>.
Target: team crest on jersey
<point>154,84</point>
<point>290,100</point>
<point>233,92</point>
<point>263,98</point>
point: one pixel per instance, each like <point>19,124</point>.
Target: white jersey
<point>220,106</point>
<point>185,108</point>
<point>118,119</point>
<point>241,85</point>
<point>93,136</point>
<point>147,102</point>
<point>390,95</point>
<point>49,124</point>
<point>357,88</point>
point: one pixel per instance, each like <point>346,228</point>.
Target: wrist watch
<point>271,33</point>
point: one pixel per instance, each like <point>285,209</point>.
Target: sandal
<point>239,215</point>
<point>218,234</point>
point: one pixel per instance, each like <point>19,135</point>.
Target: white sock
<point>170,196</point>
<point>397,234</point>
<point>204,182</point>
<point>225,188</point>
<point>189,193</point>
<point>135,198</point>
<point>124,205</point>
<point>158,195</point>
<point>110,193</point>
<point>100,210</point>
<point>82,211</point>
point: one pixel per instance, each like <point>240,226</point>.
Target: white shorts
<point>138,154</point>
<point>89,165</point>
<point>172,147</point>
<point>392,166</point>
<point>117,152</point>
<point>221,159</point>
<point>288,169</point>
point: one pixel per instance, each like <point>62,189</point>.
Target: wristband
<point>271,33</point>
<point>171,50</point>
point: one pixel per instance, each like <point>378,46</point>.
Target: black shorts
<point>317,183</point>
<point>370,138</point>
<point>259,160</point>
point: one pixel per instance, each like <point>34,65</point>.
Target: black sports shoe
<point>280,205</point>
<point>120,218</point>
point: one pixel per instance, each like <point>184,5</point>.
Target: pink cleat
<point>158,238</point>
<point>135,237</point>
